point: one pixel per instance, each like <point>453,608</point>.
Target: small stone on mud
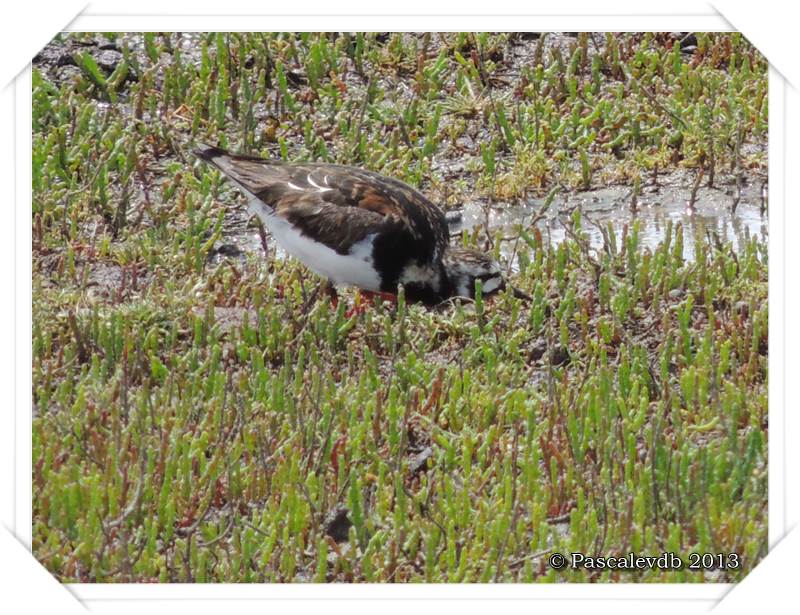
<point>538,350</point>
<point>338,524</point>
<point>108,59</point>
<point>560,356</point>
<point>229,249</point>
<point>687,41</point>
<point>419,462</point>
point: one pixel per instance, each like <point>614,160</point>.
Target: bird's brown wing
<point>339,205</point>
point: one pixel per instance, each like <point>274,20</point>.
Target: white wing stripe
<point>316,185</point>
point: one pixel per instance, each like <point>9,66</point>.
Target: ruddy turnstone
<point>358,228</point>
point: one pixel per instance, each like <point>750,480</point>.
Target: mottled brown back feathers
<point>340,205</point>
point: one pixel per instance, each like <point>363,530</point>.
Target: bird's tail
<point>250,173</point>
<point>209,153</point>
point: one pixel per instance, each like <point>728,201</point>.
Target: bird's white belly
<point>352,269</point>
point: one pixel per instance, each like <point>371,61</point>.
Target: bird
<point>358,228</point>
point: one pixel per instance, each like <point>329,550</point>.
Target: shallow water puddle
<point>655,208</point>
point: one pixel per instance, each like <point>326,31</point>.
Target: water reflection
<point>711,216</point>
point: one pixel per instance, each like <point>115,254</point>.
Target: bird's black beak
<point>519,294</point>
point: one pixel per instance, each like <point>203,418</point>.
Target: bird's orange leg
<point>364,298</point>
<point>390,297</point>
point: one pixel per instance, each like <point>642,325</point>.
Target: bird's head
<point>463,266</point>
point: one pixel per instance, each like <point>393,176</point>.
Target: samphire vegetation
<point>205,418</point>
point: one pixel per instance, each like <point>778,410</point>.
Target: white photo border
<point>18,189</point>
